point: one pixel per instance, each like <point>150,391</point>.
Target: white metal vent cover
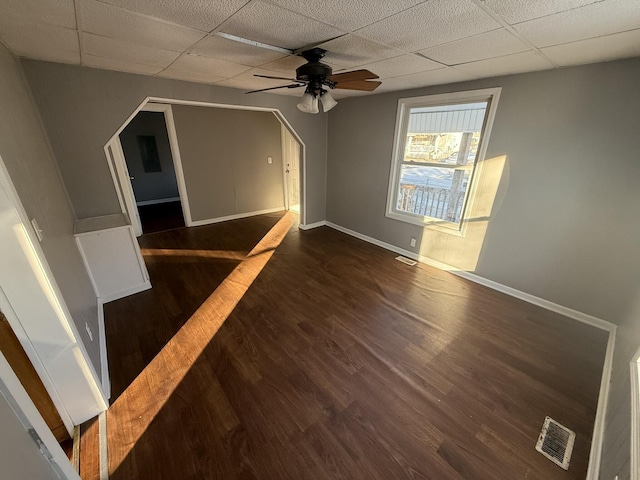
<point>406,260</point>
<point>556,442</point>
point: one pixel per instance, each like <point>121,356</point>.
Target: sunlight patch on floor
<point>144,398</point>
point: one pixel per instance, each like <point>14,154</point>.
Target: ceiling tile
<point>424,79</point>
<point>486,45</point>
<point>118,65</point>
<point>351,51</point>
<point>208,66</point>
<point>507,65</point>
<point>200,14</point>
<point>516,11</point>
<point>600,49</point>
<point>266,23</point>
<point>60,13</point>
<point>114,22</point>
<point>402,65</point>
<point>122,51</point>
<point>43,42</point>
<point>286,65</point>
<point>604,18</point>
<point>181,74</point>
<point>349,15</point>
<point>432,23</point>
<point>223,49</point>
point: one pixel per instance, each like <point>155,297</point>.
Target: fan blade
<point>276,78</point>
<point>293,85</point>
<point>363,85</point>
<point>352,76</point>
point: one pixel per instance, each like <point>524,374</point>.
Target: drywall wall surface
<point>158,183</point>
<point>616,448</point>
<point>224,156</point>
<point>26,152</point>
<point>561,225</point>
<point>19,454</point>
<point>83,107</point>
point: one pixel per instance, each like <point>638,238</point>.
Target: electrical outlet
<point>269,160</point>
<point>412,242</point>
<point>86,325</point>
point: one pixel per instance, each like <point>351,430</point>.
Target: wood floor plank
<point>338,362</point>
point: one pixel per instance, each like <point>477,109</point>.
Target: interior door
<point>292,170</point>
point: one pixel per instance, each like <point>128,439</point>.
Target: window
<point>439,142</point>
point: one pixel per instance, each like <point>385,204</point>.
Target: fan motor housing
<point>313,70</point>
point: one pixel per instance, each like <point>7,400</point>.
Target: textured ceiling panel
<point>516,63</point>
<point>486,45</point>
<point>286,65</point>
<point>126,51</point>
<point>223,49</point>
<point>44,42</point>
<point>208,66</point>
<point>351,51</point>
<point>516,11</point>
<point>26,12</point>
<point>201,14</point>
<point>273,25</point>
<point>604,18</point>
<point>114,22</point>
<point>119,65</point>
<point>402,65</point>
<point>432,23</point>
<point>432,77</point>
<point>619,45</point>
<point>348,14</point>
<point>182,74</point>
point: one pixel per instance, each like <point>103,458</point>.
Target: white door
<point>291,157</point>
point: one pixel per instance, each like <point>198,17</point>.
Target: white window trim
<point>404,104</point>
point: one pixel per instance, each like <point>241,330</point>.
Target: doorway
<point>149,160</point>
<point>291,150</point>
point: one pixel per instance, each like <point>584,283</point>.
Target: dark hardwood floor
<point>160,217</point>
<point>338,362</point>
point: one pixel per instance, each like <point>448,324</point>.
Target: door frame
<point>27,413</point>
<point>120,173</point>
<point>59,357</point>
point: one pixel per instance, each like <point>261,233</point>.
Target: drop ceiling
<point>408,43</point>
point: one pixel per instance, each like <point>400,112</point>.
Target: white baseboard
<point>104,361</point>
<point>209,221</point>
<point>310,226</point>
<point>157,201</point>
<point>125,293</point>
<point>603,397</point>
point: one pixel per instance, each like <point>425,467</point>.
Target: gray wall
<point>83,107</point>
<point>224,159</point>
<point>19,455</point>
<point>26,152</point>
<point>149,185</point>
<point>563,225</point>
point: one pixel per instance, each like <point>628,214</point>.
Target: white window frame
<point>492,95</point>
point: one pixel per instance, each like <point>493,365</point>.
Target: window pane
<point>432,192</point>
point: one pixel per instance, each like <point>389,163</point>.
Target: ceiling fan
<point>318,78</point>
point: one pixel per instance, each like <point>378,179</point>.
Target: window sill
<point>429,223</point>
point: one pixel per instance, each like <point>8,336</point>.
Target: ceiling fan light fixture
<point>328,102</point>
<point>308,103</point>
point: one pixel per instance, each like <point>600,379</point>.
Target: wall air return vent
<point>556,442</point>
